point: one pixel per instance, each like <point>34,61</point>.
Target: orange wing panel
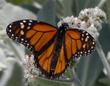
<point>61,64</point>
<point>79,44</point>
<point>44,60</point>
<point>68,43</point>
<point>30,33</point>
<point>72,42</point>
<point>74,34</point>
<point>42,27</point>
<point>35,38</point>
<point>43,40</point>
<point>40,34</point>
<point>74,47</point>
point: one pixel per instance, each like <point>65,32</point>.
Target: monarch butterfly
<point>53,47</point>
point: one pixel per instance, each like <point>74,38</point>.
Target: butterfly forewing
<point>31,33</point>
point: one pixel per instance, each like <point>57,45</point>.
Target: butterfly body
<point>59,41</point>
<point>53,47</point>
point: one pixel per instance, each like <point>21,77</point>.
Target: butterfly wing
<point>61,63</point>
<point>44,62</point>
<point>77,43</point>
<point>33,34</point>
<point>40,37</point>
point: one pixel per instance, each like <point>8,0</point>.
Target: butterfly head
<point>64,26</point>
<point>67,22</point>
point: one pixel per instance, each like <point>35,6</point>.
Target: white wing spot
<point>88,51</point>
<point>27,44</point>
<point>75,54</point>
<point>78,52</point>
<point>86,39</point>
<point>25,40</point>
<point>24,21</point>
<point>92,47</point>
<point>85,52</point>
<point>93,43</point>
<point>16,37</point>
<point>81,52</point>
<point>22,39</point>
<point>82,38</point>
<point>87,34</point>
<point>28,27</point>
<point>22,32</point>
<point>29,24</point>
<point>82,35</point>
<point>30,21</point>
<point>22,25</point>
<point>12,35</point>
<point>10,30</point>
<point>10,26</point>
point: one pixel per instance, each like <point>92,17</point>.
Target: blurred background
<point>90,70</point>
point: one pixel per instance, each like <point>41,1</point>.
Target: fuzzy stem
<point>19,53</point>
<point>6,75</point>
<point>101,3</point>
<point>99,49</point>
<point>103,58</point>
<point>76,80</point>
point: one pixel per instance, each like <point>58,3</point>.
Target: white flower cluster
<point>30,71</point>
<point>89,19</point>
<point>93,16</point>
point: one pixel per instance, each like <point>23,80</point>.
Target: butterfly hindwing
<point>44,61</point>
<point>61,63</point>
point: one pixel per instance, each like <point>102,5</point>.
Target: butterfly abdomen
<point>59,42</point>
